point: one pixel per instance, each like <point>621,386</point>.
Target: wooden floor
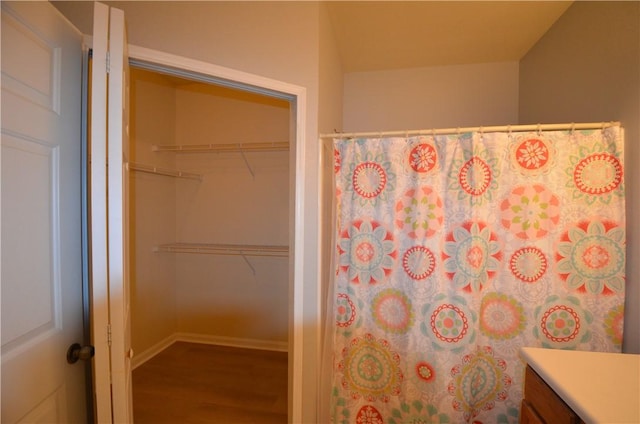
<point>199,383</point>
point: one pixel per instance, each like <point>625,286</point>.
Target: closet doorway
<point>210,173</point>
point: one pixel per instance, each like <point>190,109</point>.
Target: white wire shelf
<point>243,250</point>
<point>224,249</point>
<point>151,169</point>
<point>226,147</point>
<point>241,148</point>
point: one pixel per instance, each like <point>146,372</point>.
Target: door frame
<point>297,95</point>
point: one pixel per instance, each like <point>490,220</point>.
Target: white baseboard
<point>141,358</point>
<point>233,341</point>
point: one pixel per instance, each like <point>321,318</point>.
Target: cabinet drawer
<point>545,402</point>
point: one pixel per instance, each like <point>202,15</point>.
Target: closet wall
<point>240,199</point>
<point>152,212</point>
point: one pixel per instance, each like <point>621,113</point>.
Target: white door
<point>109,189</point>
<point>41,237</point>
<point>41,215</point>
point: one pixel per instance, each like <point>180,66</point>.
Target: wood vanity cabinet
<point>541,405</point>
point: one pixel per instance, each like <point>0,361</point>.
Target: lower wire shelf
<point>152,169</point>
<point>224,249</point>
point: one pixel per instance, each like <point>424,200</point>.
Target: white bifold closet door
<point>111,315</point>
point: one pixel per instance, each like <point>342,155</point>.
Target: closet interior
<point>209,211</point>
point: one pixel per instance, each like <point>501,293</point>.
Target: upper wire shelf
<point>227,147</point>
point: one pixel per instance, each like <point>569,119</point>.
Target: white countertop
<point>599,387</point>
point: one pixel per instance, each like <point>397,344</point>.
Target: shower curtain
<point>453,252</point>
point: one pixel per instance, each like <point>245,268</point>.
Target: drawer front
<point>545,402</point>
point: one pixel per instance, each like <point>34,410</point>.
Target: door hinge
<point>109,335</point>
<point>108,62</point>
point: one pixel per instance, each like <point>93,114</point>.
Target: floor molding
<point>141,358</point>
<point>233,341</point>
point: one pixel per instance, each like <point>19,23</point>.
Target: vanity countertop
<point>600,387</point>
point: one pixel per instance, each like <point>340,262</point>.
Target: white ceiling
<point>381,35</point>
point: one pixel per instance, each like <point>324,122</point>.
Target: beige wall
<point>433,97</point>
<point>152,213</point>
<point>587,69</point>
<point>219,296</point>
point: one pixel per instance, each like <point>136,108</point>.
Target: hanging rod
<point>151,169</point>
<point>227,147</point>
<point>224,249</point>
<point>510,128</point>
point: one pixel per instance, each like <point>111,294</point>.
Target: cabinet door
<point>545,402</point>
<point>528,415</point>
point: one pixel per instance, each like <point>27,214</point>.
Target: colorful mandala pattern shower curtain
<point>455,251</point>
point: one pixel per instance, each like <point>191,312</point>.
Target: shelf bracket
<point>246,162</point>
<point>253,270</point>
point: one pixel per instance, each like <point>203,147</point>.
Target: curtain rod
<point>510,128</point>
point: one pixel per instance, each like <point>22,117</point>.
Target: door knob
<point>76,352</point>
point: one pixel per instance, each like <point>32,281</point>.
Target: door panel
<point>41,232</point>
<point>32,306</point>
